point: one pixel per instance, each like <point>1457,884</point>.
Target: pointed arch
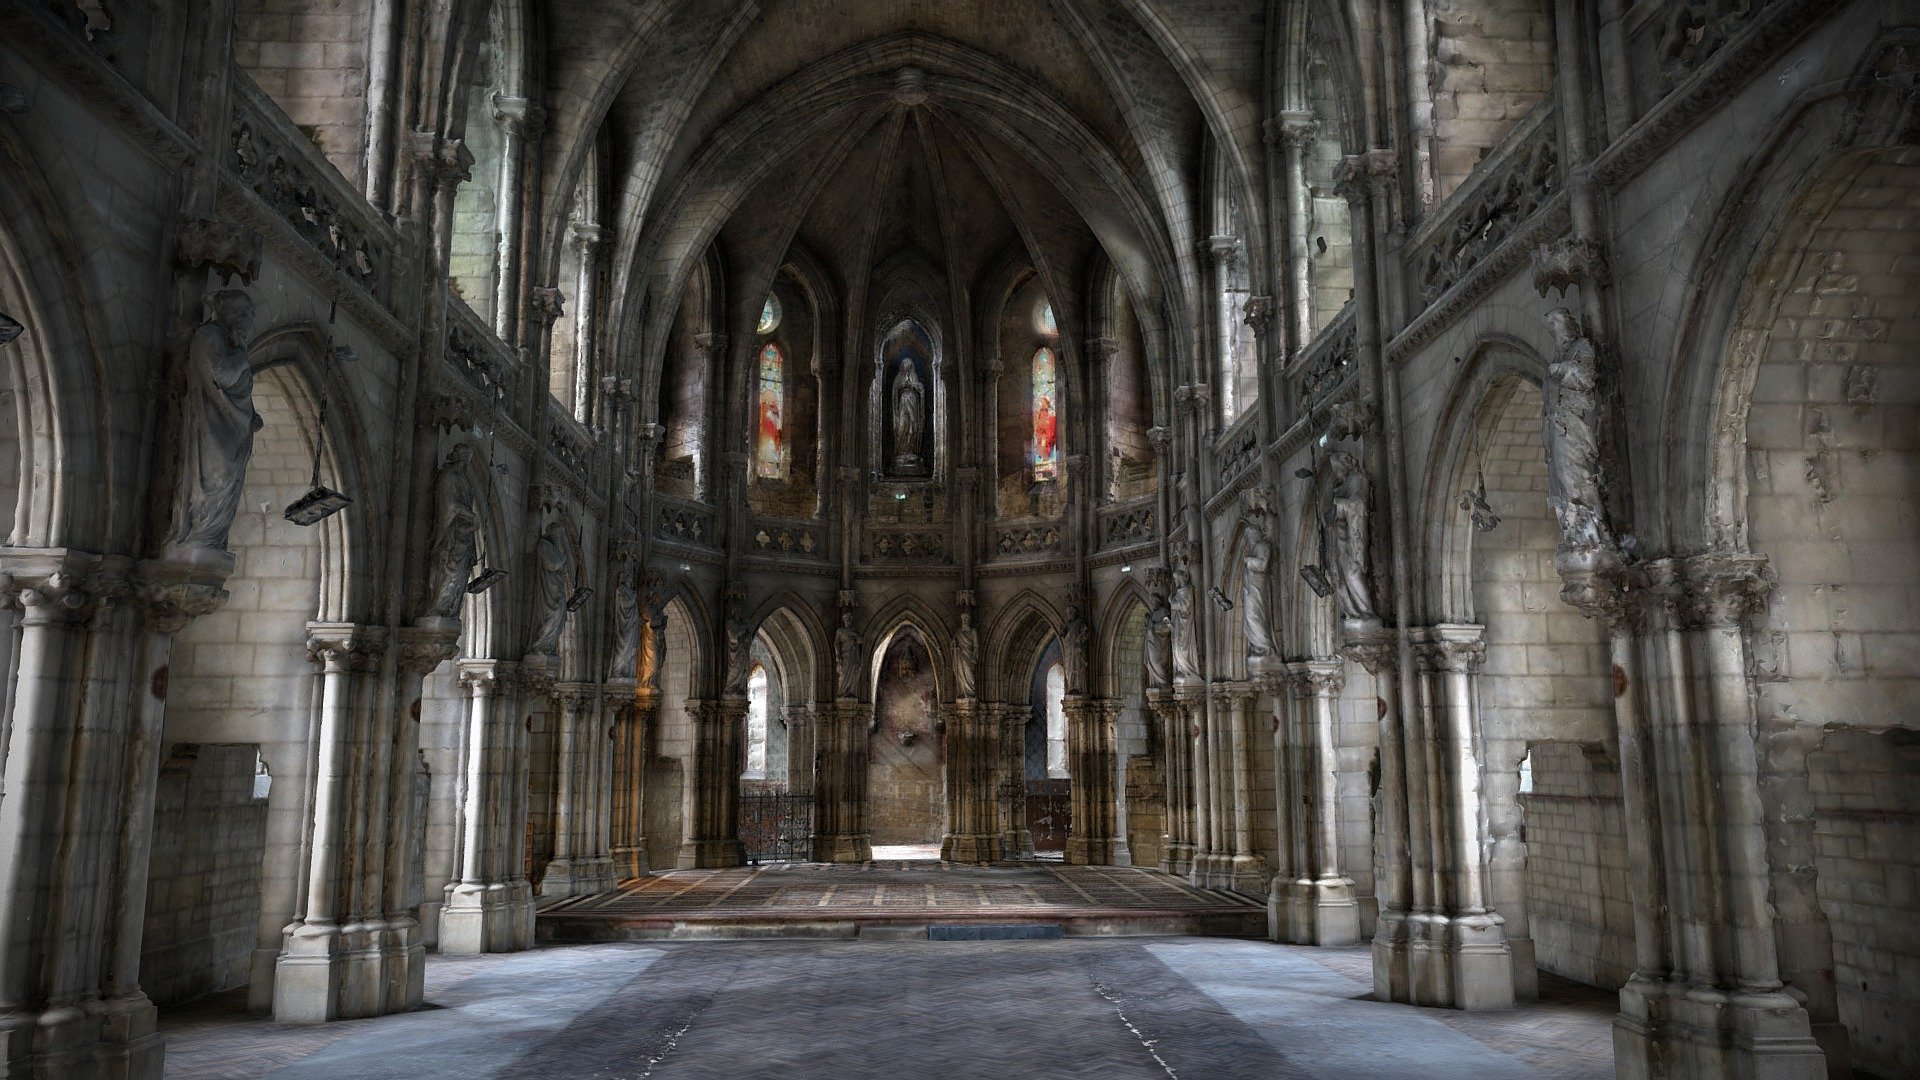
<point>1021,631</point>
<point>1128,600</point>
<point>792,629</point>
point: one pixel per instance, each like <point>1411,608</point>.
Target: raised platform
<point>899,899</point>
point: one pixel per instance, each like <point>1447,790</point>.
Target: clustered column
<point>1313,902</point>
<point>840,783</point>
<point>713,825</point>
<point>632,723</point>
<point>973,757</point>
<point>1092,839</point>
<point>490,907</point>
<point>1172,711</point>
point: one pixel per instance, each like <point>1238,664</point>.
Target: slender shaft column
<point>515,116</point>
<point>973,791</point>
<point>1182,801</point>
<point>565,874</point>
<point>629,840</point>
<point>1325,910</point>
<point>1090,750</point>
<point>1012,722</point>
<point>840,784</point>
<point>1200,767</point>
<point>1378,652</point>
<point>1244,871</point>
<point>713,831</point>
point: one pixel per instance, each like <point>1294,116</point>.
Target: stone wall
<point>1493,61</point>
<point>311,59</point>
<point>203,889</point>
<point>905,782</point>
<point>1577,878</point>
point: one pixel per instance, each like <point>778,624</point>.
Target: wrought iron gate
<point>776,827</point>
<point>1049,813</point>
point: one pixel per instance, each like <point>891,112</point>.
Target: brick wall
<point>310,56</point>
<point>203,891</point>
<point>1577,877</point>
<point>1493,62</point>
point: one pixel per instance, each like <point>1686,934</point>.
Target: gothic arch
<point>797,641</point>
<point>908,610</point>
<point>1022,630</point>
<point>1128,598</point>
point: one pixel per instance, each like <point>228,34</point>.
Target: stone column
<point>1240,869</point>
<point>1012,725</point>
<point>485,912</point>
<point>517,118</point>
<point>629,840</point>
<point>1376,650</point>
<point>588,236</point>
<point>1193,700</point>
<point>840,831</point>
<point>1706,999</point>
<point>1091,836</point>
<point>1325,910</point>
<point>1469,964</point>
<point>423,647</point>
<point>1297,132</point>
<point>713,826</point>
<point>567,873</point>
<point>1175,717</point>
<point>329,966</point>
<point>972,752</point>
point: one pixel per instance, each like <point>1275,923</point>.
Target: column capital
<point>546,305</point>
<point>495,677</point>
<point>1297,128</point>
<point>346,646</point>
<point>423,648</point>
<point>1451,647</point>
<point>1714,590</point>
<point>1317,678</point>
<point>518,115</point>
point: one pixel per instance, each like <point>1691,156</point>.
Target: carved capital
<point>1159,438</point>
<point>1717,590</point>
<point>1564,263</point>
<point>588,234</point>
<point>518,115</point>
<point>1298,129</point>
<point>1258,313</point>
<point>1317,678</point>
<point>222,247</point>
<point>341,647</point>
<point>443,163</point>
<point>424,648</point>
<point>170,606</point>
<point>546,305</point>
<point>1451,649</point>
<point>1224,249</point>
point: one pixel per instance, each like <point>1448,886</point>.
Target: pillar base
<point>581,877</point>
<point>1526,969</point>
<point>130,1044</point>
<point>1313,911</point>
<point>349,972</point>
<point>630,862</point>
<point>1670,1031</point>
<point>845,848</point>
<point>979,848</point>
<point>485,918</point>
<point>63,1043</point>
<point>1451,962</point>
<point>1017,844</point>
<point>709,854</point>
<point>1177,859</point>
<point>1089,851</point>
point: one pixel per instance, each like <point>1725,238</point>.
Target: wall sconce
<point>1316,580</point>
<point>1220,598</point>
<point>579,598</point>
<point>486,579</point>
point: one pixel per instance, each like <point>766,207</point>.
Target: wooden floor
<point>899,899</point>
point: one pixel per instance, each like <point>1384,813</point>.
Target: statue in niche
<point>627,622</point>
<point>1346,536</point>
<point>1257,572</point>
<point>1186,640</point>
<point>1570,419</point>
<point>966,657</point>
<point>1159,650</point>
<point>653,641</point>
<point>553,559</point>
<point>456,534</point>
<point>216,426</point>
<point>739,653</point>
<point>909,409</point>
<point>846,657</point>
<point>1074,640</point>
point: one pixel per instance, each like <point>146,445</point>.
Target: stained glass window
<point>1043,320</point>
<point>1046,416</point>
<point>770,445</point>
<point>770,315</point>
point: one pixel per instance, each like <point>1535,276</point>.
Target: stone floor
<point>1118,1009</point>
<point>827,900</point>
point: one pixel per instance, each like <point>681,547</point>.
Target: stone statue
<point>1346,537</point>
<point>739,653</point>
<point>1159,650</point>
<point>553,557</point>
<point>626,622</point>
<point>456,534</point>
<point>653,643</point>
<point>1257,571</point>
<point>1570,419</point>
<point>846,657</point>
<point>909,401</point>
<point>1074,640</point>
<point>216,427</point>
<point>1186,640</point>
<point>966,657</point>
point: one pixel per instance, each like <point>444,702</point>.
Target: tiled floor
<point>1193,1008</point>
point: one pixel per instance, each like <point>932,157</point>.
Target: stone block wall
<point>203,891</point>
<point>1577,878</point>
<point>1493,62</point>
<point>1866,800</point>
<point>311,59</point>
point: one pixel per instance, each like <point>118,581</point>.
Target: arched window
<point>770,444</point>
<point>1043,321</point>
<point>1046,415</point>
<point>756,724</point>
<point>1056,722</point>
<point>769,316</point>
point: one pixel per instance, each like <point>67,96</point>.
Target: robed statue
<point>739,633</point>
<point>966,657</point>
<point>846,657</point>
<point>909,411</point>
<point>216,425</point>
<point>456,534</point>
<point>1159,650</point>
<point>1186,640</point>
<point>1256,563</point>
<point>1075,638</point>
<point>1570,421</point>
<point>553,559</point>
<point>1346,536</point>
<point>627,621</point>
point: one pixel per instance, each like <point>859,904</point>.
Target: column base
<point>349,972</point>
<point>1450,962</point>
<point>1089,851</point>
<point>581,877</point>
<point>630,862</point>
<point>1017,844</point>
<point>1177,859</point>
<point>63,1043</point>
<point>710,854</point>
<point>976,848</point>
<point>1313,911</point>
<point>130,1043</point>
<point>485,918</point>
<point>1526,969</point>
<point>845,848</point>
<point>1671,1031</point>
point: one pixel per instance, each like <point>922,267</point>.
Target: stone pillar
<point>1319,900</point>
<point>1199,767</point>
<point>1090,756</point>
<point>489,907</point>
<point>330,964</point>
<point>1376,650</point>
<point>840,831</point>
<point>1175,715</point>
<point>1239,869</point>
<point>580,863</point>
<point>973,752</point>
<point>713,826</point>
<point>517,118</point>
<point>629,839</point>
<point>424,646</point>
<point>1012,724</point>
<point>1297,133</point>
<point>1706,998</point>
<point>588,236</point>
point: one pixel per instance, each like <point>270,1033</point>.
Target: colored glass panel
<point>770,315</point>
<point>1044,321</point>
<point>1046,417</point>
<point>770,445</point>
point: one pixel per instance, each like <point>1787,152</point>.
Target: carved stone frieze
<point>1561,264</point>
<point>282,180</point>
<point>223,247</point>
